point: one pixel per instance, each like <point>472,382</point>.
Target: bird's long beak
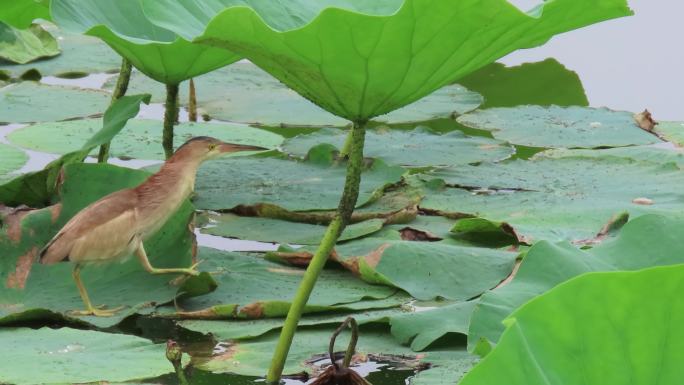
<point>233,147</point>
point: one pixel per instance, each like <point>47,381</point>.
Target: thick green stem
<point>344,212</point>
<point>192,102</point>
<point>170,118</point>
<point>119,91</point>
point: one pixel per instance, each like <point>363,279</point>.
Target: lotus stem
<point>351,348</point>
<point>175,356</point>
<point>192,103</point>
<point>170,118</point>
<point>344,211</point>
<point>119,91</point>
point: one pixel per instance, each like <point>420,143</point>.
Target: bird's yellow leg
<point>140,252</point>
<point>90,309</point>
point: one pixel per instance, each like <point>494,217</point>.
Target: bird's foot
<point>192,270</point>
<point>97,311</point>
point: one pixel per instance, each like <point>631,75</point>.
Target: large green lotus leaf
<point>314,184</point>
<point>644,242</point>
<point>81,55</point>
<point>527,83</point>
<point>564,198</point>
<point>36,291</point>
<point>26,45</point>
<point>140,139</point>
<point>278,231</point>
<point>250,357</point>
<point>155,51</point>
<point>423,328</point>
<point>11,159</point>
<point>361,59</point>
<point>27,102</point>
<point>22,13</point>
<point>61,356</point>
<point>417,148</point>
<point>660,153</point>
<point>591,330</point>
<point>567,127</point>
<point>244,93</point>
<point>37,189</point>
<point>251,287</point>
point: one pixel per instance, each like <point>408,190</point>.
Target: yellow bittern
<point>116,226</point>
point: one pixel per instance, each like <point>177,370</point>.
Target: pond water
<point>622,64</point>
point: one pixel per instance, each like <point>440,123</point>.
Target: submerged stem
<point>170,118</point>
<point>119,91</point>
<point>344,212</point>
<point>192,102</point>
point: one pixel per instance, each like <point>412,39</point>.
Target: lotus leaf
<point>644,242</point>
<point>249,357</point>
<point>416,148</point>
<point>22,13</point>
<point>23,46</point>
<point>81,55</point>
<point>426,270</point>
<point>251,287</point>
<point>595,335</point>
<point>49,356</point>
<point>139,139</point>
<point>154,50</point>
<point>11,159</point>
<point>24,282</point>
<point>423,328</point>
<point>224,330</point>
<point>567,127</point>
<point>36,189</point>
<point>360,59</point>
<point>244,93</point>
<point>27,102</point>
<point>560,198</point>
<point>314,184</point>
<point>671,131</point>
<point>277,231</point>
<point>527,83</point>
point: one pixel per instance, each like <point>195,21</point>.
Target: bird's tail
<point>52,252</point>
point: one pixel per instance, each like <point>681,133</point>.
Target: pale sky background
<point>630,63</point>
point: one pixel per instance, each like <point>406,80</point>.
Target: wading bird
<point>116,226</point>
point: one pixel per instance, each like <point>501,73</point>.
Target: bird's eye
<point>212,146</point>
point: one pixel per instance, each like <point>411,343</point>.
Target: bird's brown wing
<point>110,209</point>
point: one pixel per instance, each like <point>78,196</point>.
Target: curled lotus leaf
<point>360,59</point>
<point>154,50</point>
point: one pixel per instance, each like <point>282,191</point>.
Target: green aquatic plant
<point>360,59</point>
<point>155,51</point>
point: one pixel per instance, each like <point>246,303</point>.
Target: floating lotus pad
<point>594,333</point>
<point>425,270</point>
<point>28,102</point>
<point>565,198</point>
<point>81,55</point>
<point>566,127</point>
<point>528,83</point>
<point>23,46</point>
<point>277,231</point>
<point>363,59</point>
<point>24,281</point>
<point>155,51</point>
<point>644,242</point>
<point>78,356</point>
<point>224,330</point>
<point>140,139</point>
<point>417,148</point>
<point>423,328</point>
<point>314,184</point>
<point>11,159</point>
<point>251,357</point>
<point>251,287</point>
<point>244,93</point>
<point>671,131</point>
